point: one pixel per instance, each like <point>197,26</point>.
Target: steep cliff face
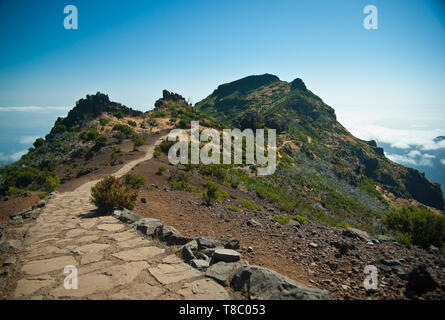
<point>300,116</point>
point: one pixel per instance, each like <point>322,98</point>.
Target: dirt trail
<point>112,259</point>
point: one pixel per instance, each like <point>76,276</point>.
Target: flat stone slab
<point>138,254</point>
<point>91,248</point>
<point>203,289</point>
<point>88,224</point>
<point>84,239</point>
<point>102,280</point>
<point>170,273</point>
<point>226,255</point>
<point>26,287</point>
<point>91,257</point>
<point>122,236</point>
<point>134,243</point>
<point>74,233</point>
<point>95,266</point>
<point>48,265</point>
<point>140,291</point>
<point>111,227</point>
<point>106,219</point>
<point>43,251</point>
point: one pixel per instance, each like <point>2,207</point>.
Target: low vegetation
<point>111,193</point>
<point>416,226</point>
<point>286,219</point>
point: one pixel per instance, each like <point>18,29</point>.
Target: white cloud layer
<point>414,157</point>
<point>442,161</point>
<point>398,138</point>
<point>12,157</point>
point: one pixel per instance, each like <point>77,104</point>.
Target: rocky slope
<point>326,181</point>
<point>303,119</point>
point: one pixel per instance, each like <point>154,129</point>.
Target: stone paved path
<point>113,260</point>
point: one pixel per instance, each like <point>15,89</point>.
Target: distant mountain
<point>304,119</point>
<point>431,162</point>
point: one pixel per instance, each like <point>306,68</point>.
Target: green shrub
<point>124,130</point>
<point>249,204</point>
<point>157,152</point>
<point>343,224</point>
<point>285,219</point>
<point>51,183</point>
<point>214,170</point>
<point>179,181</point>
<point>132,123</point>
<point>161,169</point>
<point>60,128</point>
<point>233,208</point>
<point>119,114</point>
<point>181,185</point>
<point>104,121</point>
<point>42,195</point>
<point>111,192</point>
<point>38,143</point>
<point>100,141</point>
<point>424,227</point>
<point>116,153</point>
<point>89,135</point>
<point>212,193</point>
<point>165,145</point>
<point>134,180</point>
<point>158,114</point>
<point>12,191</point>
<point>139,141</point>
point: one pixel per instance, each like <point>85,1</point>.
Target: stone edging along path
<point>116,260</point>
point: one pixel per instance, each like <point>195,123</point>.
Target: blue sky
<point>393,77</point>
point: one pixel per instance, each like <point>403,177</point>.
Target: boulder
<point>150,227</point>
<point>211,243</point>
<point>187,251</point>
<point>226,255</point>
<point>199,264</point>
<point>433,249</point>
<point>384,238</point>
<point>356,234</point>
<point>253,223</point>
<point>420,281</point>
<point>126,216</point>
<point>222,272</point>
<point>171,236</point>
<point>259,283</point>
<point>7,244</point>
<point>39,204</point>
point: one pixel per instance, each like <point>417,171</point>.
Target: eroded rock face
<point>264,284</point>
